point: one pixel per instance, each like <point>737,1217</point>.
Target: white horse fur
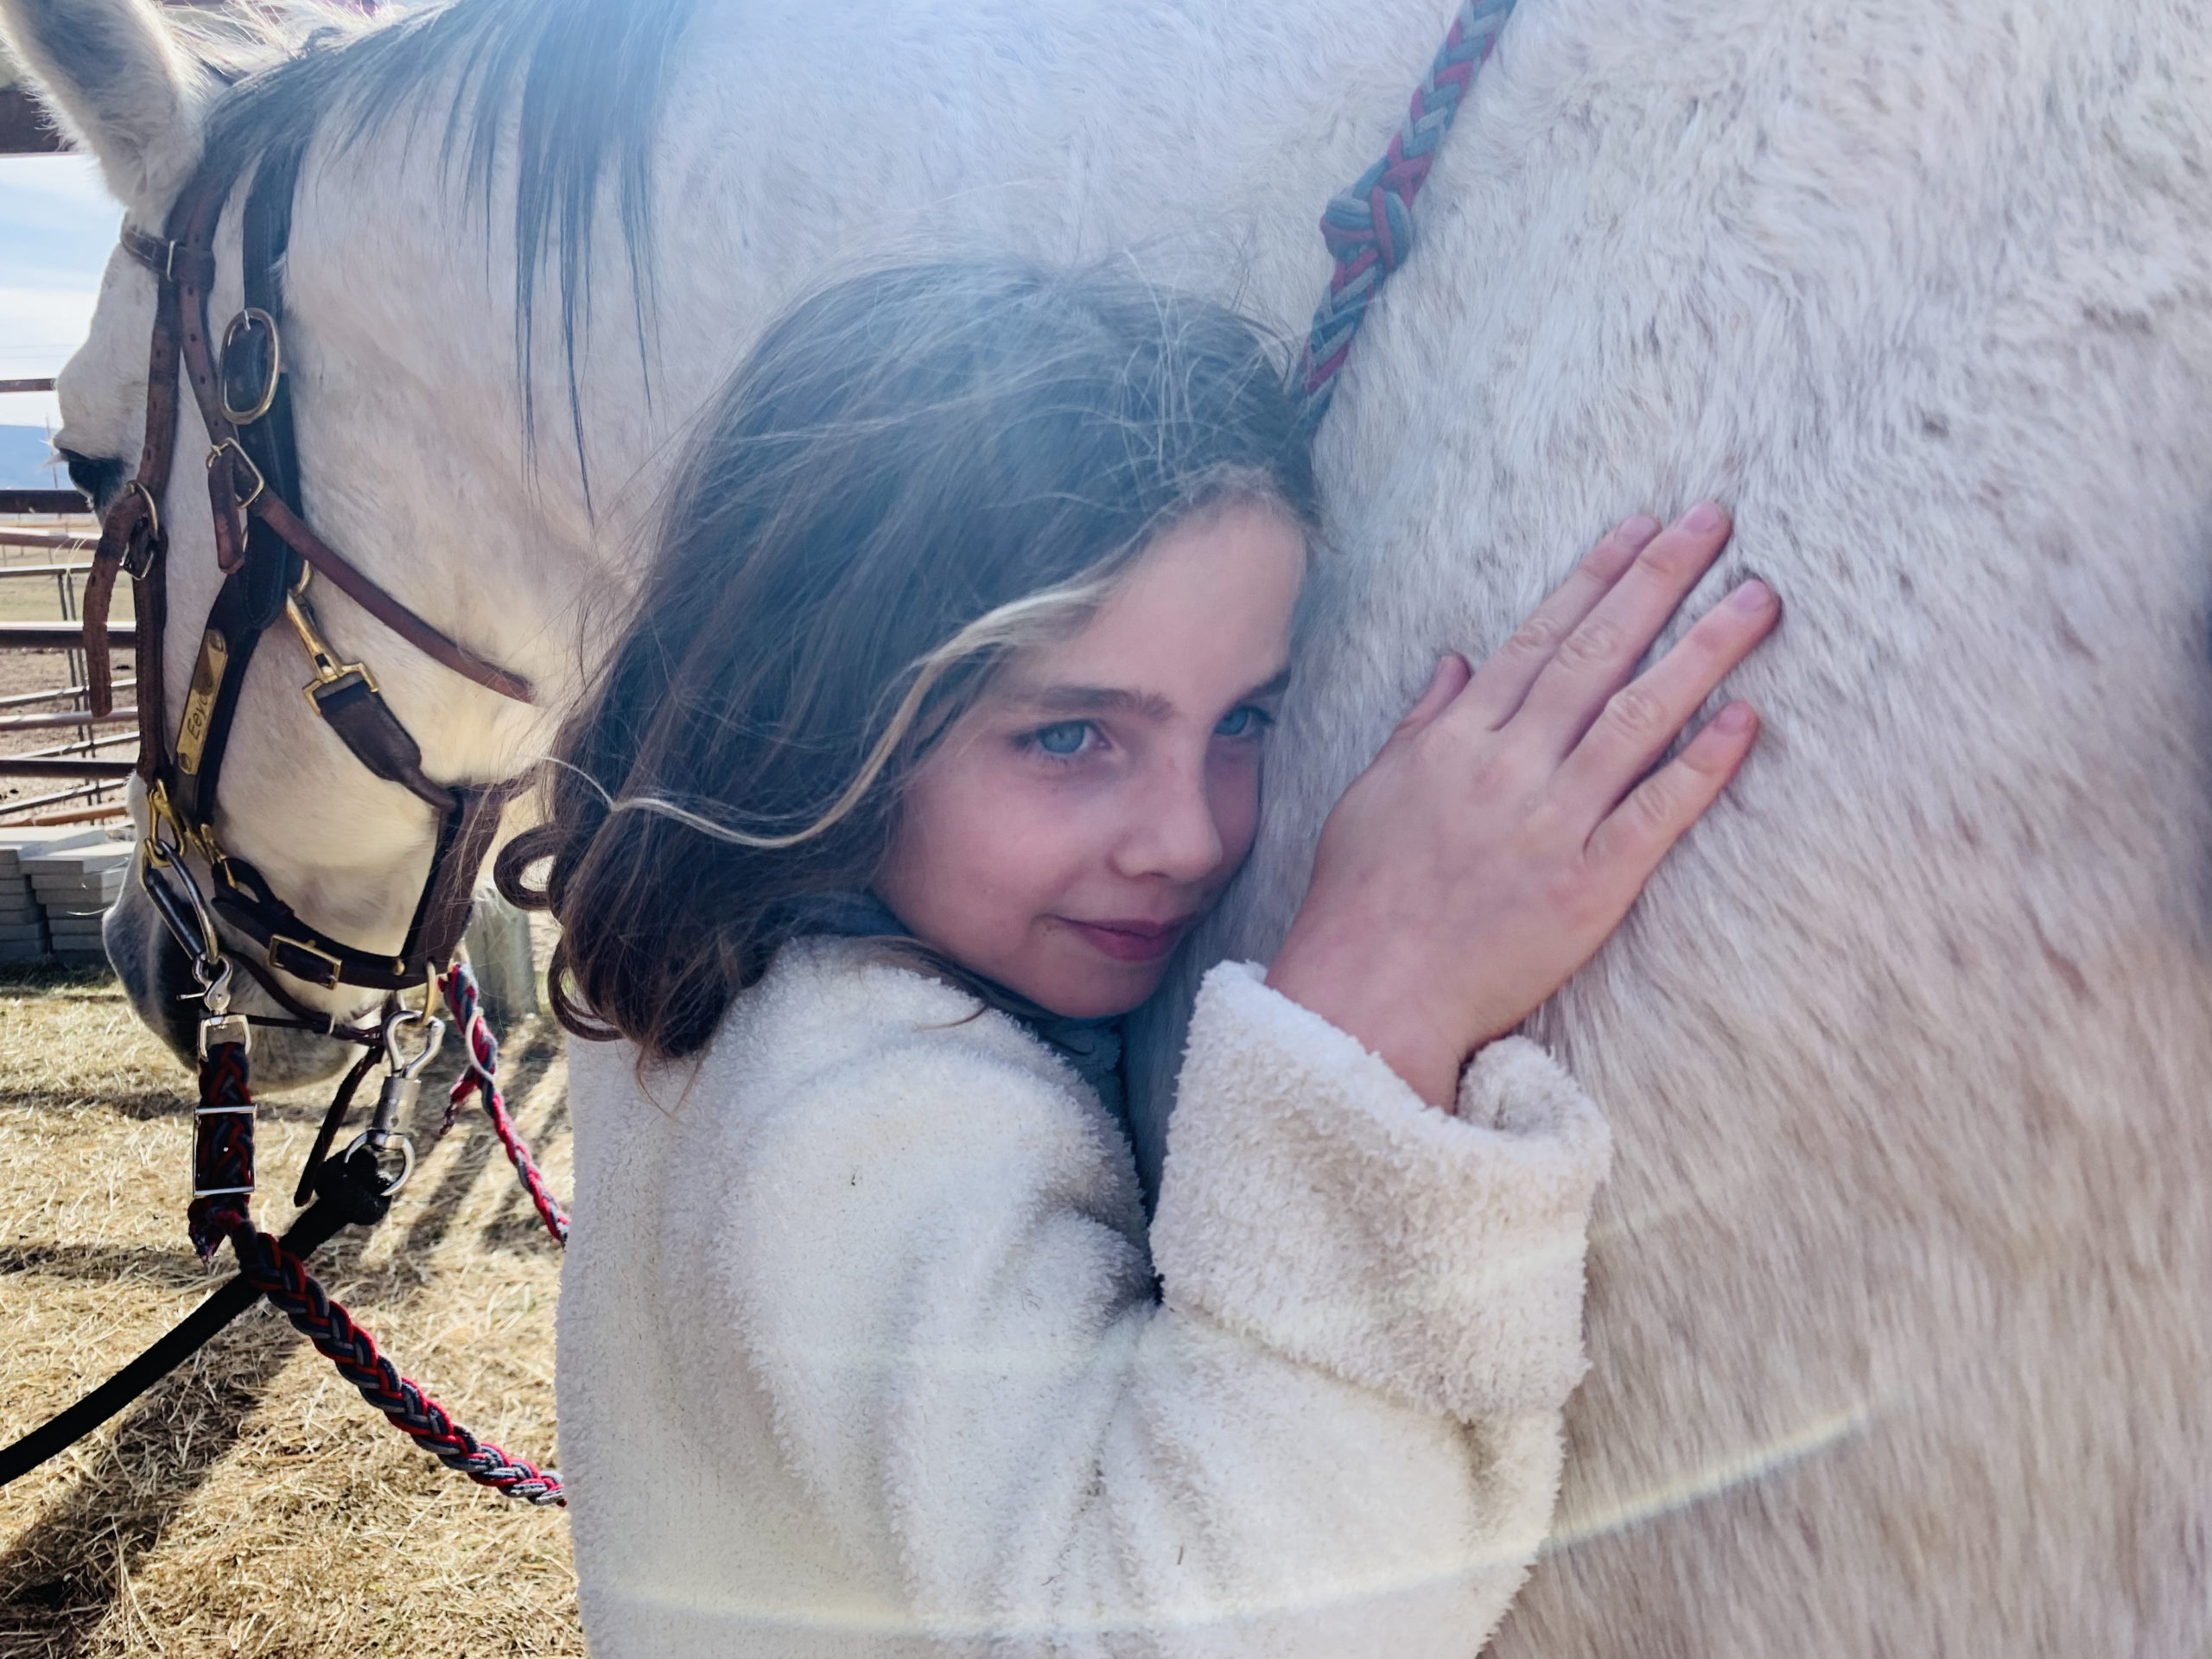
<point>1901,1301</point>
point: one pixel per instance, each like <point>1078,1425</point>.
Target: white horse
<point>1901,1301</point>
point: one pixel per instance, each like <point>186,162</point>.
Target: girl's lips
<point>1129,941</point>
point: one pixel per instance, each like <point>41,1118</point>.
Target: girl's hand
<point>1501,834</point>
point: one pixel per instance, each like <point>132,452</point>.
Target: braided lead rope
<point>482,1079</point>
<point>223,1180</point>
<point>1369,228</point>
<point>222,1149</point>
<point>285,1279</point>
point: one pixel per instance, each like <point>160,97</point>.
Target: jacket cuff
<point>1312,1202</point>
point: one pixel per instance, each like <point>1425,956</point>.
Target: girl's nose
<point>1171,830</point>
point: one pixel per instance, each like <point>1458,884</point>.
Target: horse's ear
<point>114,80</point>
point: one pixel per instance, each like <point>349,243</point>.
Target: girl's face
<point>1067,831</point>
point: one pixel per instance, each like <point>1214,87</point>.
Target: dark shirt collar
<point>1093,1047</point>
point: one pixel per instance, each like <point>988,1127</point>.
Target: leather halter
<point>267,554</point>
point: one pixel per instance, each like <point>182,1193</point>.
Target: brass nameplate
<point>200,701</point>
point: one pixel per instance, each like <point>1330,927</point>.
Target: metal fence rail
<point>59,636</point>
<point>62,709</point>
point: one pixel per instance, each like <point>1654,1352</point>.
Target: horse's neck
<point>1206,141</point>
<point>1207,138</point>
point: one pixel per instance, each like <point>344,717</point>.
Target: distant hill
<point>25,461</point>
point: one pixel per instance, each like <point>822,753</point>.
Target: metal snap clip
<point>403,1087</point>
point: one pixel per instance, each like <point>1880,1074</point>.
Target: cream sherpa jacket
<point>861,1354</point>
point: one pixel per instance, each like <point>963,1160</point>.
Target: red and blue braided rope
<point>285,1279</point>
<point>481,1078</point>
<point>1369,227</point>
<point>223,1159</point>
<point>222,1149</point>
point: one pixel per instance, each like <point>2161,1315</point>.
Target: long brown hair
<point>915,472</point>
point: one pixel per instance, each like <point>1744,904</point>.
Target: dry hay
<point>253,1504</point>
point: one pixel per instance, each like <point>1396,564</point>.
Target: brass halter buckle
<point>243,401</point>
<point>138,546</point>
<point>235,452</point>
<point>308,964</point>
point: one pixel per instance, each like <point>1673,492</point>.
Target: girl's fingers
<point>1503,680</point>
<point>1629,844</point>
<point>1641,719</point>
<point>1595,660</point>
<point>1445,683</point>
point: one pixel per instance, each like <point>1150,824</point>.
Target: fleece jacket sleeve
<point>1312,1202</point>
<point>1338,1434</point>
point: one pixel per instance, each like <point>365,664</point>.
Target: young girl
<point>940,721</point>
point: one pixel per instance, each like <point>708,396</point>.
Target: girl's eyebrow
<point>1096,699</point>
<point>1110,699</point>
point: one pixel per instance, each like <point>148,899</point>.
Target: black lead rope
<point>350,1189</point>
<point>355,1187</point>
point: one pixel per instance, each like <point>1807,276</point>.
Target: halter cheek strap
<point>267,554</point>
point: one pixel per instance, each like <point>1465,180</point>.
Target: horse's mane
<point>582,81</point>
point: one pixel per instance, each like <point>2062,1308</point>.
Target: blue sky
<point>57,224</point>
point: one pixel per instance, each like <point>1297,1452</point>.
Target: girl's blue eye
<point>1064,738</point>
<point>1245,722</point>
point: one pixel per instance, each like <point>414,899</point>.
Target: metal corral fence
<point>61,769</point>
<point>58,763</point>
<point>47,736</point>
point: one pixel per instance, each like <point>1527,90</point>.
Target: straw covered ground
<point>253,1504</point>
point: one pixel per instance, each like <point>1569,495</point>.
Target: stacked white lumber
<point>23,921</point>
<point>75,886</point>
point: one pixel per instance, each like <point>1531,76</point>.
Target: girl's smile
<point>1130,940</point>
<point>1068,830</point>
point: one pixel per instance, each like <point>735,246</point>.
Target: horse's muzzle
<point>156,976</point>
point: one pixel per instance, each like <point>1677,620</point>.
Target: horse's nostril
<point>155,975</point>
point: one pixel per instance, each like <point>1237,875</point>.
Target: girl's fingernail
<point>1752,598</point>
<point>1705,515</point>
<point>1733,721</point>
<point>1639,530</point>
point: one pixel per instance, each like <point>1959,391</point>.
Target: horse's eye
<point>97,479</point>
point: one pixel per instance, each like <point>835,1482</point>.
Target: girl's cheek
<point>1034,817</point>
<point>1233,792</point>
